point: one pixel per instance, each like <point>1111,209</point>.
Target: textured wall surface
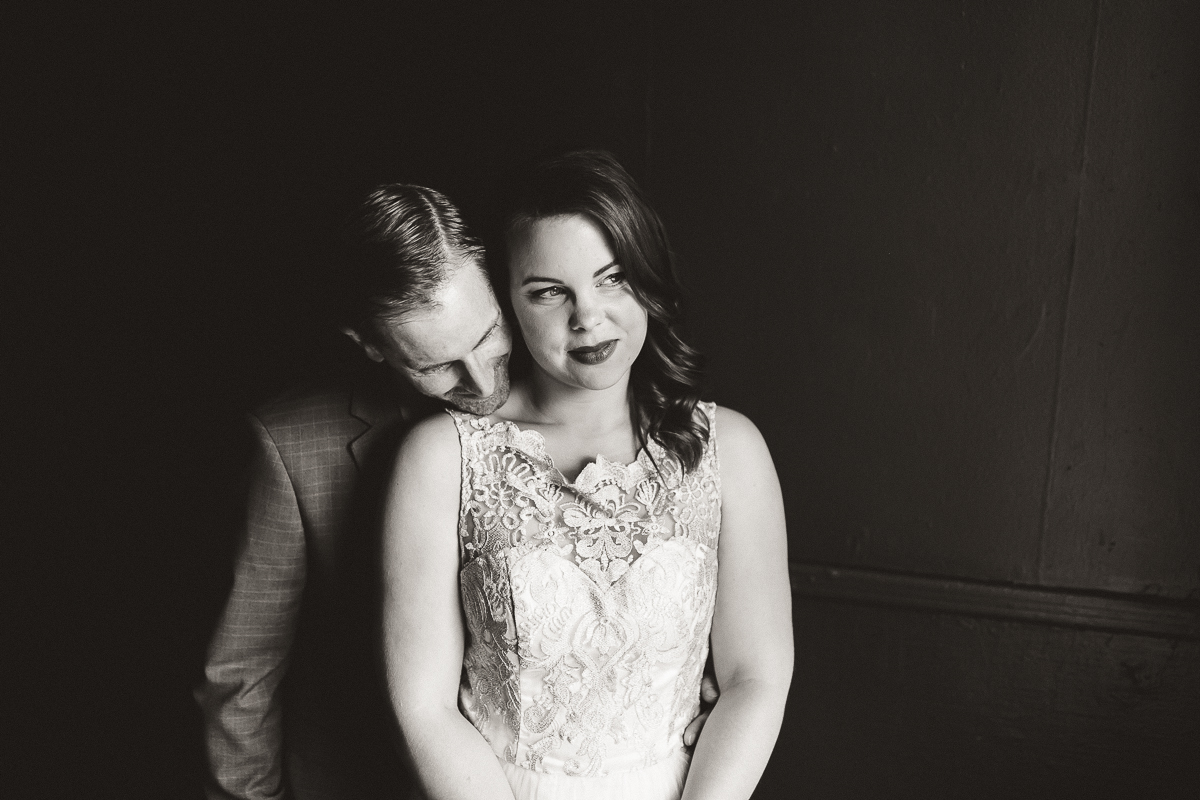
<point>1123,498</point>
<point>892,196</point>
<point>896,703</point>
<point>946,257</point>
<point>956,250</point>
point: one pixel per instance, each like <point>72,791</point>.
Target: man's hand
<point>708,696</point>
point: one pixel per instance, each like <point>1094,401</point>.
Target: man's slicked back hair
<point>401,244</point>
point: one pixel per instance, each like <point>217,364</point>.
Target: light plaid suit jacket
<point>303,607</point>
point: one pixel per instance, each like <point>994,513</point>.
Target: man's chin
<point>479,406</point>
<point>482,406</point>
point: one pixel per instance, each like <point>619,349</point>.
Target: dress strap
<point>465,447</point>
<point>710,461</point>
<point>710,413</point>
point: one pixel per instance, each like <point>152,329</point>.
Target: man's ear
<point>368,348</point>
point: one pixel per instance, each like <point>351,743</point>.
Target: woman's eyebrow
<point>540,279</point>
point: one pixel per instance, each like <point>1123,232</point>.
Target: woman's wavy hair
<point>666,377</point>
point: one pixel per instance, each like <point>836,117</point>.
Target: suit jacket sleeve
<point>248,655</point>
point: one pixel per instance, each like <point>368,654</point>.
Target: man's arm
<point>248,655</point>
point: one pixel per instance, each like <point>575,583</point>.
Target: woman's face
<point>581,321</point>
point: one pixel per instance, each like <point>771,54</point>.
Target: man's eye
<point>434,370</point>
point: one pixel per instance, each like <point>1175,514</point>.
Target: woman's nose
<point>588,312</point>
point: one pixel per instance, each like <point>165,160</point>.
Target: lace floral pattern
<point>588,604</point>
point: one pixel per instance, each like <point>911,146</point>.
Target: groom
<point>292,699</point>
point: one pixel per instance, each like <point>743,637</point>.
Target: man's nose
<point>479,376</point>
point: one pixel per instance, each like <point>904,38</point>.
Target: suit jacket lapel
<point>370,406</point>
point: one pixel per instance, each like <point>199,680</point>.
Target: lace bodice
<point>588,603</point>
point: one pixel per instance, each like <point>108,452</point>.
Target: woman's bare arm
<point>752,625</point>
<point>423,628</point>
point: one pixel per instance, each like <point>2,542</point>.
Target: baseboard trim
<point>1116,613</point>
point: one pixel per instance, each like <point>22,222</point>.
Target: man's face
<point>456,348</point>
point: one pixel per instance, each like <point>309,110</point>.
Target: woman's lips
<point>596,354</point>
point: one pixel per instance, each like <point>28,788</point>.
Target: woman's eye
<point>548,292</point>
<point>613,279</point>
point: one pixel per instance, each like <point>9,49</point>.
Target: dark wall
<point>943,255</point>
<point>946,258</point>
<point>960,248</point>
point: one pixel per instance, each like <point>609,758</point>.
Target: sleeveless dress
<point>588,606</point>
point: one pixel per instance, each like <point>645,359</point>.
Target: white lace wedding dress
<point>588,607</point>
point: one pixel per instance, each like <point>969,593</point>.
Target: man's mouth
<point>469,401</point>
<point>595,354</point>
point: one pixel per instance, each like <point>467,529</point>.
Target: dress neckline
<point>533,443</point>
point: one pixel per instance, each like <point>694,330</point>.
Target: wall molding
<point>1071,608</point>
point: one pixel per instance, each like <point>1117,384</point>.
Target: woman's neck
<point>549,402</point>
<point>542,402</point>
<point>576,424</point>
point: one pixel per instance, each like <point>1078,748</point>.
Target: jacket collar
<point>377,409</point>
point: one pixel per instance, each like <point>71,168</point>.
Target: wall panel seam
<point>1064,327</point>
<point>1073,608</point>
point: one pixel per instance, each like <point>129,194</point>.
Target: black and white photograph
<point>609,401</point>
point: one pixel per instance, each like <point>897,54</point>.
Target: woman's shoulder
<point>440,425</point>
<point>736,436</point>
<point>431,439</point>
<point>731,424</point>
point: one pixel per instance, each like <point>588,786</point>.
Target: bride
<point>555,570</point>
